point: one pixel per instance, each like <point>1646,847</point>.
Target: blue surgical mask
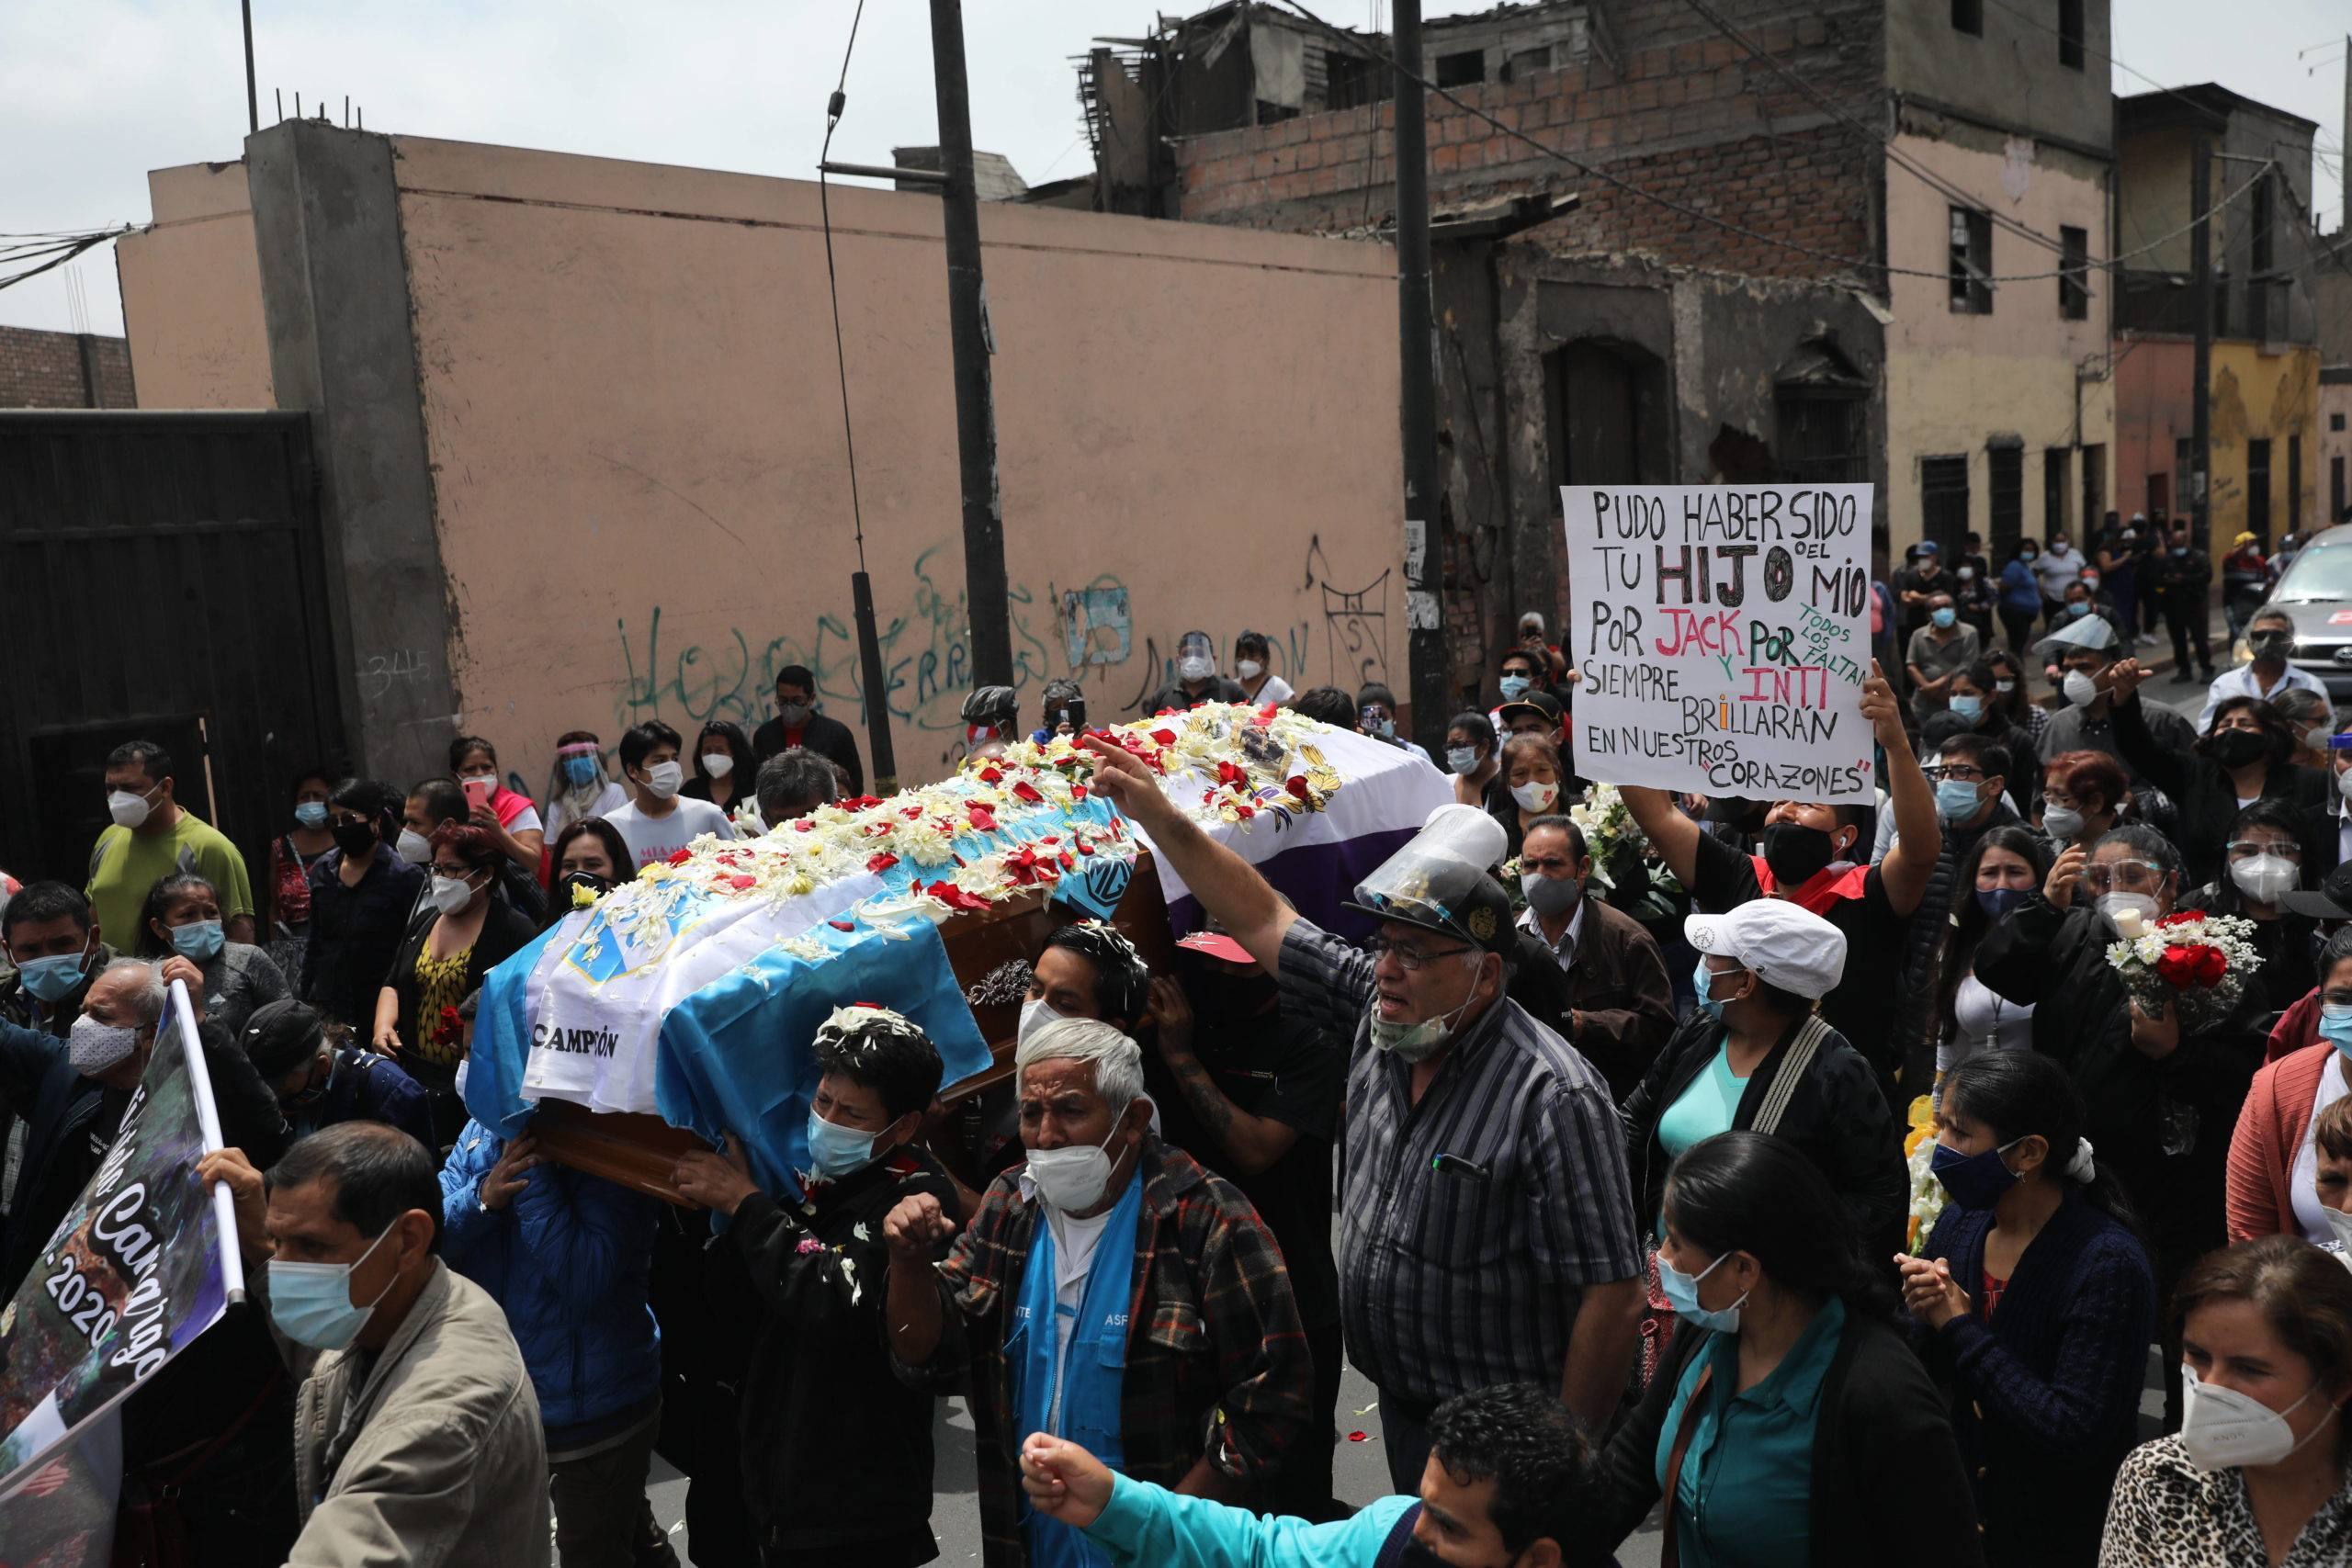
<point>312,814</point>
<point>1968,705</point>
<point>1702,980</point>
<point>52,979</point>
<point>199,941</point>
<point>581,770</point>
<point>311,1303</point>
<point>834,1150</point>
<point>1999,903</point>
<point>1462,758</point>
<point>1956,800</point>
<point>1944,617</point>
<point>1682,1294</point>
<point>1515,687</point>
<point>2336,1026</point>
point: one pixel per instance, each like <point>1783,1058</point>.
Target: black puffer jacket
<point>1837,1117</point>
<point>2163,1125</point>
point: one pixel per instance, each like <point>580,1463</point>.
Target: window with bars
<point>2070,34</point>
<point>1972,262</point>
<point>1968,16</point>
<point>2005,471</point>
<point>2074,276</point>
<point>1943,503</point>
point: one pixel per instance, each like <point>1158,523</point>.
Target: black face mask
<point>1797,853</point>
<point>2234,747</point>
<point>594,883</point>
<point>354,839</point>
<point>2270,644</point>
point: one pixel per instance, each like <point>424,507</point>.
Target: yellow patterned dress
<point>440,987</point>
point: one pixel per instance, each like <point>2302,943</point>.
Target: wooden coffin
<point>638,1151</point>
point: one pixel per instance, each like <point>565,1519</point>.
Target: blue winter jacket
<point>569,1258</point>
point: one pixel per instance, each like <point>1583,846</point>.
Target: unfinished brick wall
<point>44,370</point>
<point>1688,115</point>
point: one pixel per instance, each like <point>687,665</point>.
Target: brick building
<point>65,370</point>
<point>1709,297</point>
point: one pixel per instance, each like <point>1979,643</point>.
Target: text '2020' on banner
<point>1722,638</point>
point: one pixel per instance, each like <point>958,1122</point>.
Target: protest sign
<point>1722,635</point>
<point>142,1262</point>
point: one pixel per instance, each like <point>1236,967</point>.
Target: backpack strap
<point>1790,1072</point>
<point>1670,1550</point>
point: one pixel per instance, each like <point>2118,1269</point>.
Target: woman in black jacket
<point>2243,754</point>
<point>461,936</point>
<point>2031,1304</point>
<point>1723,1070</point>
<point>2262,862</point>
<point>1793,1425</point>
<point>2162,1098</point>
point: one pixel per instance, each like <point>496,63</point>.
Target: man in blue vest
<point>1508,1477</point>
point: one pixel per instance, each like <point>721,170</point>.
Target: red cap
<point>1217,944</point>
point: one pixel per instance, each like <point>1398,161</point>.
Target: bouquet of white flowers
<point>2193,959</point>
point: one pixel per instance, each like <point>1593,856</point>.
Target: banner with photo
<point>143,1261</point>
<point>1721,636</point>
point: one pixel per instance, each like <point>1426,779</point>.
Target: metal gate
<point>161,577</point>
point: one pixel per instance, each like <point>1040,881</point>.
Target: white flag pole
<point>224,1203</point>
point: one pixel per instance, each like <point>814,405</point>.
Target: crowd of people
<point>1587,1151</point>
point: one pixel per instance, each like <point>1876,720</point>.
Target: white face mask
<point>1035,1016</point>
<point>1248,669</point>
<point>415,847</point>
<point>1195,669</point>
<point>127,809</point>
<point>2114,904</point>
<point>2223,1430</point>
<point>1535,796</point>
<point>92,1046</point>
<point>450,894</point>
<point>2264,878</point>
<point>2061,822</point>
<point>717,765</point>
<point>2344,783</point>
<point>1074,1177</point>
<point>662,779</point>
<point>2341,1223</point>
<point>2080,689</point>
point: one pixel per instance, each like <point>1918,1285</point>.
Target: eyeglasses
<point>2129,874</point>
<point>2058,798</point>
<point>2247,849</point>
<point>1964,773</point>
<point>456,873</point>
<point>1410,954</point>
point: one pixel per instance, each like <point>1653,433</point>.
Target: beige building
<point>581,443</point>
<point>1999,410</point>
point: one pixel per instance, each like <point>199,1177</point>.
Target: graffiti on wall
<point>1086,633</point>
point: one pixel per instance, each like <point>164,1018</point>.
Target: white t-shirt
<point>525,821</point>
<point>1275,690</point>
<point>2302,1183</point>
<point>561,815</point>
<point>650,839</point>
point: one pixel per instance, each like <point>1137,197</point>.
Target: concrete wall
<point>2009,74</point>
<point>65,370</point>
<point>1958,383</point>
<point>2334,444</point>
<point>2257,396</point>
<point>632,445</point>
<point>192,293</point>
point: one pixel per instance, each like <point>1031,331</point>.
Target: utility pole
<point>984,585</point>
<point>2201,305</point>
<point>1417,392</point>
<point>253,94</point>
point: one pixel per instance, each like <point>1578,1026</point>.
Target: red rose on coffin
<point>1227,773</point>
<point>882,861</point>
<point>956,898</point>
<point>982,818</point>
<point>742,883</point>
<point>682,857</point>
<point>2192,966</point>
<point>1077,791</point>
<point>2180,918</point>
<point>1028,792</point>
<point>1164,737</point>
<point>1298,785</point>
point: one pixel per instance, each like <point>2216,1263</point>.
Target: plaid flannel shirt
<point>1217,1361</point>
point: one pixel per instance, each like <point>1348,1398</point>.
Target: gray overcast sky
<point>94,93</point>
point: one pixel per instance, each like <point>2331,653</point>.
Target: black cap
<point>1450,897</point>
<point>991,705</point>
<point>2332,901</point>
<point>1541,702</point>
<point>281,1035</point>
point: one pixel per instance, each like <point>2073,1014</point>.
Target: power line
<point>833,106</point>
<point>1617,182</point>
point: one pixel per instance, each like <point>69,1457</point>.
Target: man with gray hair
<point>793,784</point>
<point>72,1093</point>
<point>1149,1311</point>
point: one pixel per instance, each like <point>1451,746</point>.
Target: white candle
<point>2128,926</point>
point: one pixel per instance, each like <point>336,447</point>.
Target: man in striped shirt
<point>1486,1231</point>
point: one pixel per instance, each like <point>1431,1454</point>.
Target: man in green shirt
<point>154,836</point>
